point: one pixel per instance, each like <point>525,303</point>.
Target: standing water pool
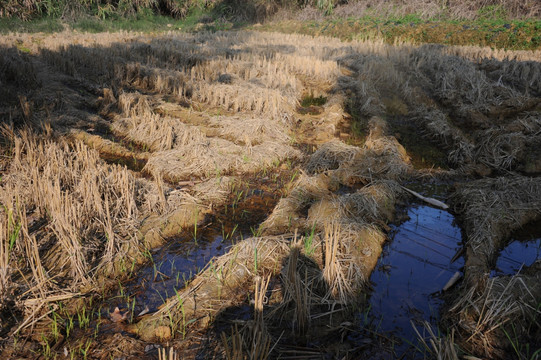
<point>414,267</point>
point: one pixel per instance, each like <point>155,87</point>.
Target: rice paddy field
<point>254,195</point>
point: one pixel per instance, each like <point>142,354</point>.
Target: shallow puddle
<point>172,266</point>
<point>413,269</point>
<point>522,251</point>
<point>517,255</point>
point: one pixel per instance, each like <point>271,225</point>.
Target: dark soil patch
<point>312,110</point>
<point>423,152</point>
<point>133,163</point>
<point>311,100</point>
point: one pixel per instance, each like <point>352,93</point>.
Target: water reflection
<point>415,266</point>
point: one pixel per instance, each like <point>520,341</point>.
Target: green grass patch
<point>492,28</point>
<point>45,25</point>
<point>310,100</point>
<point>489,30</point>
<point>198,19</point>
<point>142,22</point>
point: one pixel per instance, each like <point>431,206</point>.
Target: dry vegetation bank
<point>191,116</point>
<point>492,209</point>
<point>30,9</point>
<point>455,9</point>
<point>505,24</point>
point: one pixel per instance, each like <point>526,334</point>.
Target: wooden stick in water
<point>452,280</point>
<point>431,201</point>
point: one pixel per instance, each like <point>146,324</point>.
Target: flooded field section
<point>251,195</point>
<point>171,267</point>
<point>416,264</point>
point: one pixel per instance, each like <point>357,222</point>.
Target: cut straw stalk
<point>235,350</point>
<point>336,276</point>
<point>296,290</point>
<point>167,354</point>
<point>261,341</point>
<point>5,234</point>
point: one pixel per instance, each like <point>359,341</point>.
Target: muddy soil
<point>227,194</point>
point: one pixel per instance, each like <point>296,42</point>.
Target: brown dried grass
<point>250,131</point>
<point>441,347</point>
<point>286,215</point>
<point>65,182</point>
<point>373,203</point>
<point>381,158</point>
<point>269,78</point>
<point>455,9</point>
<point>253,341</point>
<point>216,157</point>
<point>255,81</point>
<point>341,283</point>
<point>351,224</point>
<point>65,201</point>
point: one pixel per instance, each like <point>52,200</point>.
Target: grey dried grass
<point>484,315</point>
<point>329,156</point>
<point>486,90</point>
<point>439,127</point>
<point>440,347</point>
<point>454,9</point>
<point>491,209</point>
<point>17,69</point>
<point>380,158</point>
<point>500,150</point>
<point>457,81</point>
